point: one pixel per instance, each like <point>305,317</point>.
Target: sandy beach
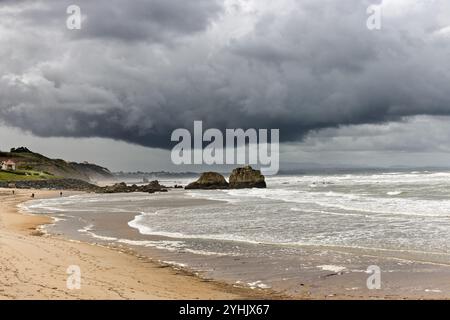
<point>34,265</point>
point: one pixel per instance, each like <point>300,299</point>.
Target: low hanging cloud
<point>137,70</point>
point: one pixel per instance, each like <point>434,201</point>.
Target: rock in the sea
<point>116,188</point>
<point>209,180</point>
<point>153,187</point>
<point>122,187</point>
<point>246,177</point>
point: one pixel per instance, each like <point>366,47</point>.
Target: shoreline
<point>307,272</point>
<point>34,264</point>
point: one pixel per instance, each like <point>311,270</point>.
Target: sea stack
<point>209,180</point>
<point>246,177</point>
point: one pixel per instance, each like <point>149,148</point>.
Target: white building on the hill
<point>9,165</point>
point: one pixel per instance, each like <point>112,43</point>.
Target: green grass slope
<point>24,175</point>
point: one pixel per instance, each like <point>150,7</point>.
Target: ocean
<point>298,231</point>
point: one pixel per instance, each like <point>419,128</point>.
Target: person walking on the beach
<point>32,195</point>
<point>14,191</point>
<point>60,194</point>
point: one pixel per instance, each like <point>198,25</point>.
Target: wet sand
<point>34,265</point>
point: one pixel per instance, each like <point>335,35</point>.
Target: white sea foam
<point>175,264</point>
<point>144,229</point>
<point>332,268</point>
<point>258,284</point>
<point>104,238</point>
<point>86,229</point>
<point>213,195</point>
<point>171,245</point>
<point>165,245</point>
<point>394,193</point>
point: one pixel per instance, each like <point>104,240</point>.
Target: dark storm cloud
<point>137,20</point>
<point>156,20</point>
<point>294,65</point>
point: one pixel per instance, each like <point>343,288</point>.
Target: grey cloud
<point>305,66</point>
<point>418,142</point>
<point>157,20</point>
<point>137,20</point>
<point>418,134</point>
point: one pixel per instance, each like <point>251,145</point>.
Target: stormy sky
<point>339,92</point>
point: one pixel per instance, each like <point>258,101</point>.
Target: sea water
<point>397,214</point>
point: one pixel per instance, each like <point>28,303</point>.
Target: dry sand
<point>34,265</point>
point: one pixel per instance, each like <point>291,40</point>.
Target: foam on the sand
<point>332,268</point>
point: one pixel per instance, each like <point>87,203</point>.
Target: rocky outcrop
<point>209,180</point>
<point>51,184</point>
<point>122,187</point>
<point>80,185</point>
<point>153,187</point>
<point>246,177</point>
<point>240,178</point>
<point>20,150</point>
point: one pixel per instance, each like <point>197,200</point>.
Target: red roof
<point>9,162</point>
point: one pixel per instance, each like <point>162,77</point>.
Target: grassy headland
<point>33,166</point>
<point>23,175</point>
